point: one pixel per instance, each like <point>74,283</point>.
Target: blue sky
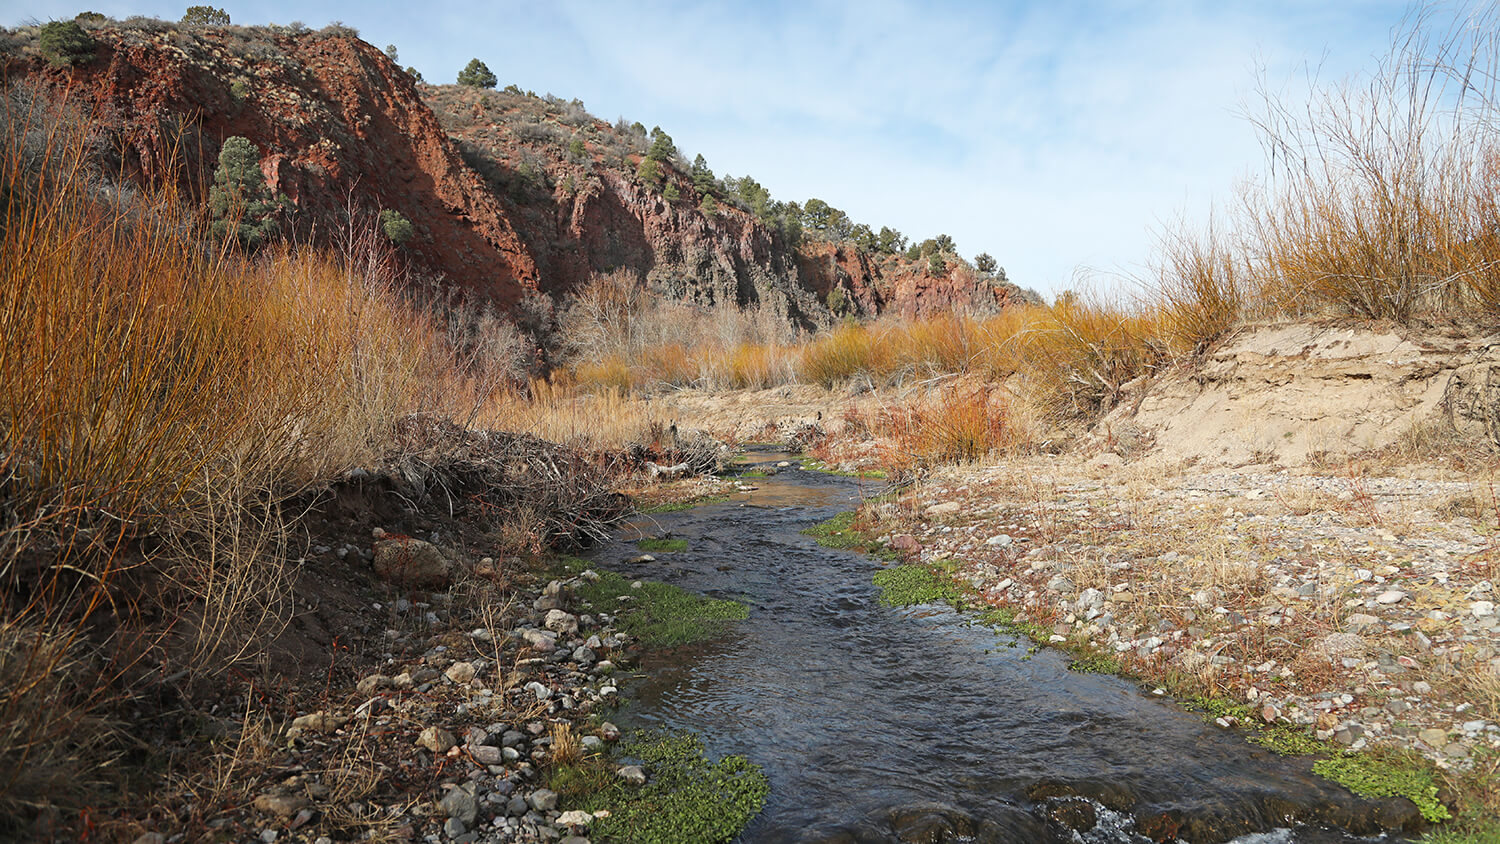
<point>1053,135</point>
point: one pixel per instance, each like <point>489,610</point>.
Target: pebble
<point>633,774</point>
<point>1390,596</point>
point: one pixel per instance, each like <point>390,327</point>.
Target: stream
<point>880,724</point>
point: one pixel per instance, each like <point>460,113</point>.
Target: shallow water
<point>878,724</point>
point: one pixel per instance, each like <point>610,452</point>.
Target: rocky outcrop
<point>508,193</point>
<point>912,291</point>
<point>339,127</point>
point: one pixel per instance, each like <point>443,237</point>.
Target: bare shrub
<point>1380,199</point>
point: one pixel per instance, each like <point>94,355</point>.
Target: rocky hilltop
<point>508,193</point>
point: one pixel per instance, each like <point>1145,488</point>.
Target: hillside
<point>507,192</point>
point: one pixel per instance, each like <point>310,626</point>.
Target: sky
<point>1060,137</point>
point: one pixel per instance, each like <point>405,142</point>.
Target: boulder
<point>412,563</point>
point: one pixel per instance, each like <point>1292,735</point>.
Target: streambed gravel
<point>1362,607</point>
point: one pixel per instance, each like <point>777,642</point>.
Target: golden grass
<point>848,350</point>
<point>954,423</point>
<point>564,413</point>
<point>152,383</point>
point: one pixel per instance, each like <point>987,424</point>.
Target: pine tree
<point>477,75</point>
<point>703,178</point>
<point>240,205</point>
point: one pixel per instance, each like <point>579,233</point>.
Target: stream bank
<point>876,723</point>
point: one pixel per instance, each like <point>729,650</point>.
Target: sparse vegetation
<point>396,227</point>
<point>1371,777</point>
<point>910,584</point>
<point>241,205</point>
<point>659,614</point>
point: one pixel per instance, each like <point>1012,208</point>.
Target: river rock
<point>437,740</point>
<point>906,542</point>
<point>281,805</point>
<point>1078,815</point>
<point>946,508</point>
<point>412,562</point>
<point>1340,644</point>
<point>319,722</point>
<point>543,800</point>
<point>563,623</point>
<point>461,672</point>
<point>633,774</point>
<point>375,682</point>
<point>459,803</point>
<point>1390,596</point>
<point>486,755</point>
<point>553,597</point>
<point>541,640</point>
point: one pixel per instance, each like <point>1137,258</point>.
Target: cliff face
<point>339,128</point>
<point>508,193</point>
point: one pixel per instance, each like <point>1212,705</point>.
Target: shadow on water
<point>882,725</point>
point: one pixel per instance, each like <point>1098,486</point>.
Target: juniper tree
<point>205,16</point>
<point>65,43</point>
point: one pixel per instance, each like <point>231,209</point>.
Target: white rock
<point>1001,540</point>
<point>1390,596</point>
<point>1482,609</point>
<point>575,818</point>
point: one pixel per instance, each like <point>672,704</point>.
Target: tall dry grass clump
<point>1380,197</point>
<point>620,335</point>
<point>850,349</point>
<point>958,422</point>
<point>154,385</point>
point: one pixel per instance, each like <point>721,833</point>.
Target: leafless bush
<point>1380,198</point>
<point>540,133</point>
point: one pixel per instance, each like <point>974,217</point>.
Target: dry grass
<point>562,412</point>
<point>154,385</point>
<point>955,423</point>
<point>1380,201</point>
<point>567,748</point>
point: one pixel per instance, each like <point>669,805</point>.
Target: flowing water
<point>879,724</point>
